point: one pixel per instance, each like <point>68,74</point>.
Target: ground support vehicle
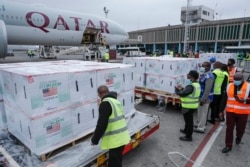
<point>47,52</point>
<point>80,153</point>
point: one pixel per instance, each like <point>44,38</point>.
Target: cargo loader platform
<point>83,154</point>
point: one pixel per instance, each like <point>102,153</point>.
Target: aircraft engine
<point>3,40</point>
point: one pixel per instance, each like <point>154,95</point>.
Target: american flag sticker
<point>53,128</point>
<point>49,92</point>
<point>109,81</point>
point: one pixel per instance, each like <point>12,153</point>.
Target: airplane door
<point>91,36</point>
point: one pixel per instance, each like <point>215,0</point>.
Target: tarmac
<point>205,149</point>
<point>163,148</point>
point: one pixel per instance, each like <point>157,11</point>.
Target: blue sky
<point>142,14</point>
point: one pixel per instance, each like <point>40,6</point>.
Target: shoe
<point>185,138</point>
<point>211,121</point>
<point>198,130</point>
<point>226,150</point>
<point>237,140</point>
<point>219,120</point>
<point>182,131</point>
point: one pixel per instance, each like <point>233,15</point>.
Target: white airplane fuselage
<point>40,25</point>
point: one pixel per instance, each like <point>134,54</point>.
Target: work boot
<point>185,138</point>
<point>226,150</point>
<point>237,140</point>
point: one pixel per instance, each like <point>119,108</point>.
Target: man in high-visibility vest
<point>231,69</point>
<point>29,53</point>
<point>240,56</point>
<point>220,84</point>
<point>247,58</point>
<point>111,127</point>
<point>106,57</point>
<point>237,110</point>
<point>171,53</point>
<point>189,102</point>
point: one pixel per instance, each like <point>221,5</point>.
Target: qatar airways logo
<point>60,21</point>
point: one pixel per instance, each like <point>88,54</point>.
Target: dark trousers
<point>189,122</point>
<point>215,107</point>
<point>115,157</point>
<point>238,120</point>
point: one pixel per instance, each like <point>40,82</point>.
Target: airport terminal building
<point>208,36</point>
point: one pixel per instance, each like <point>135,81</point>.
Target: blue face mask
<point>237,83</point>
<point>202,70</point>
<point>189,82</point>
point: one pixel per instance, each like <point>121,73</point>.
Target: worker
<point>247,58</point>
<point>220,84</point>
<point>111,127</point>
<point>237,110</point>
<point>189,102</point>
<point>29,53</point>
<point>206,81</point>
<point>231,69</point>
<point>240,56</point>
<point>171,53</point>
<point>106,56</point>
<point>196,55</point>
<point>223,100</point>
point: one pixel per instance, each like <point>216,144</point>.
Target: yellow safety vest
<point>247,57</point>
<point>106,56</point>
<point>192,100</point>
<point>116,133</point>
<point>172,53</point>
<point>218,81</point>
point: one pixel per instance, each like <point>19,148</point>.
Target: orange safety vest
<point>235,106</point>
<point>231,73</point>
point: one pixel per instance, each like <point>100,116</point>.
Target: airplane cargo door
<point>91,36</point>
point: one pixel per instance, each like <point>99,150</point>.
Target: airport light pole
<point>106,11</point>
<point>186,33</point>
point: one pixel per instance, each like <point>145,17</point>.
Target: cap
<point>212,59</point>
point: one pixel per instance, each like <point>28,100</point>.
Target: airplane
<point>34,24</point>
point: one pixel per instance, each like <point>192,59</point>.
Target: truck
<point>79,153</point>
<point>47,52</point>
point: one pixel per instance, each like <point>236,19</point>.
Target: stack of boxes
<point>222,57</point>
<point>162,73</point>
<point>139,64</point>
<point>49,104</point>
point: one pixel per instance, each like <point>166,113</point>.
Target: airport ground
<point>164,144</point>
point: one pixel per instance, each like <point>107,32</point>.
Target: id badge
<point>239,92</point>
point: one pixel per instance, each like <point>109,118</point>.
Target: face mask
<point>202,70</point>
<point>188,81</point>
<point>237,83</point>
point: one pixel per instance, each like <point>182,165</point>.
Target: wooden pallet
<point>64,147</point>
<point>155,95</point>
